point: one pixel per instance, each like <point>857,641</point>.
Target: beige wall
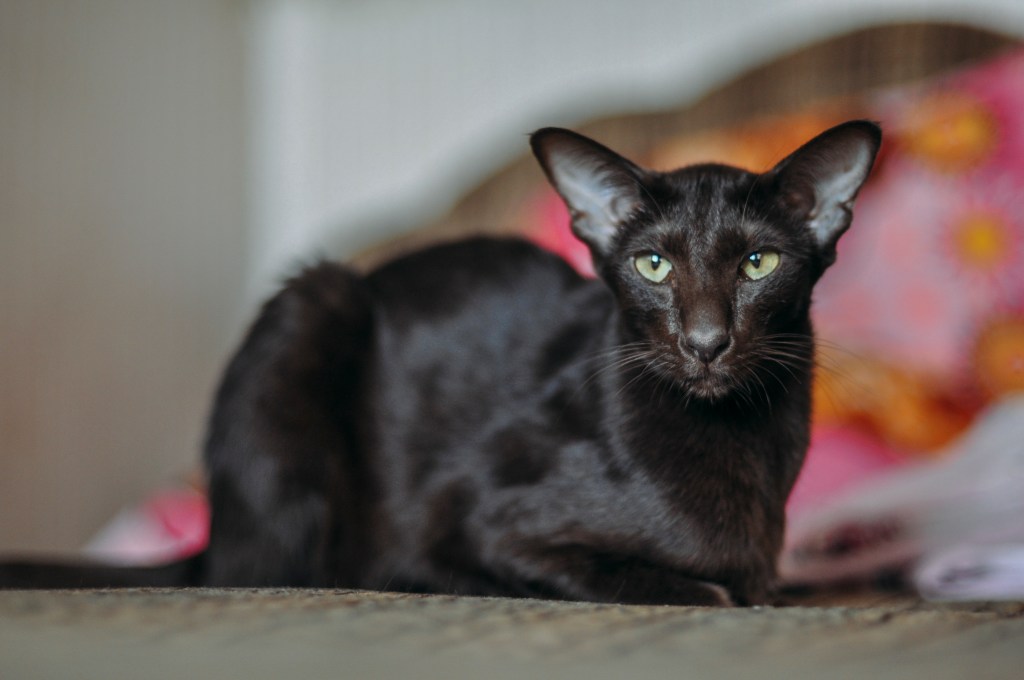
<point>121,249</point>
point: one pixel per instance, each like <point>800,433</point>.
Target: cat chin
<point>700,382</point>
<point>709,390</point>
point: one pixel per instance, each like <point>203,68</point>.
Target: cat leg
<point>632,582</point>
<point>580,572</point>
<point>281,450</point>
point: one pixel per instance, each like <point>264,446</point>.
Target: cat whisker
<point>764,390</point>
<point>629,383</point>
<point>746,199</point>
<point>832,345</point>
<point>661,385</point>
<point>847,389</point>
<point>660,209</point>
<point>845,386</point>
<point>782,384</point>
<point>742,390</point>
<point>635,352</point>
<point>788,361</point>
<point>786,353</point>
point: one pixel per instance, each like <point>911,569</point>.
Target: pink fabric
<point>837,457</point>
<point>171,524</point>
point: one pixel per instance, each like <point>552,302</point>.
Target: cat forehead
<point>706,177</point>
<point>705,194</point>
<point>702,209</point>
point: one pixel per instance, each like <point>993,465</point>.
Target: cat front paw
<point>719,595</point>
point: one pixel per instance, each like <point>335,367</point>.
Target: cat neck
<point>763,424</point>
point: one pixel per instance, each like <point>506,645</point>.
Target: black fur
<point>478,419</point>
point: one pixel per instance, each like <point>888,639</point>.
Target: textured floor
<point>344,634</point>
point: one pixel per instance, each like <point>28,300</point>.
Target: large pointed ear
<point>820,180</point>
<point>600,187</point>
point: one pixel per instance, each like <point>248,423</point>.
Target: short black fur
<point>476,418</point>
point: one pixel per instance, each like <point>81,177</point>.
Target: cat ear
<point>600,187</point>
<point>820,180</point>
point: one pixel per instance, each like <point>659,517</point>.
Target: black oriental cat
<point>476,418</point>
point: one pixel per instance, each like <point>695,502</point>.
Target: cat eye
<point>652,266</point>
<point>760,264</point>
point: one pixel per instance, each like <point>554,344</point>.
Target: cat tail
<point>37,575</point>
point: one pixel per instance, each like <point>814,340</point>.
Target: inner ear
<point>601,188</point>
<point>819,181</point>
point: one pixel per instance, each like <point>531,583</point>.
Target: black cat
<point>478,419</point>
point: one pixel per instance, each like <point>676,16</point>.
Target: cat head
<point>712,265</point>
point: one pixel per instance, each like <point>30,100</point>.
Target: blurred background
<point>163,165</point>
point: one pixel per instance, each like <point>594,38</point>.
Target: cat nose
<point>707,342</point>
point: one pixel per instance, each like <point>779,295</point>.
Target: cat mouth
<point>711,389</point>
<point>709,382</point>
<point>713,385</point>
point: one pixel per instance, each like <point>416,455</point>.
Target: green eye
<point>652,267</point>
<point>760,264</point>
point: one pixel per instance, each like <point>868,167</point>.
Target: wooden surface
<point>345,634</point>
